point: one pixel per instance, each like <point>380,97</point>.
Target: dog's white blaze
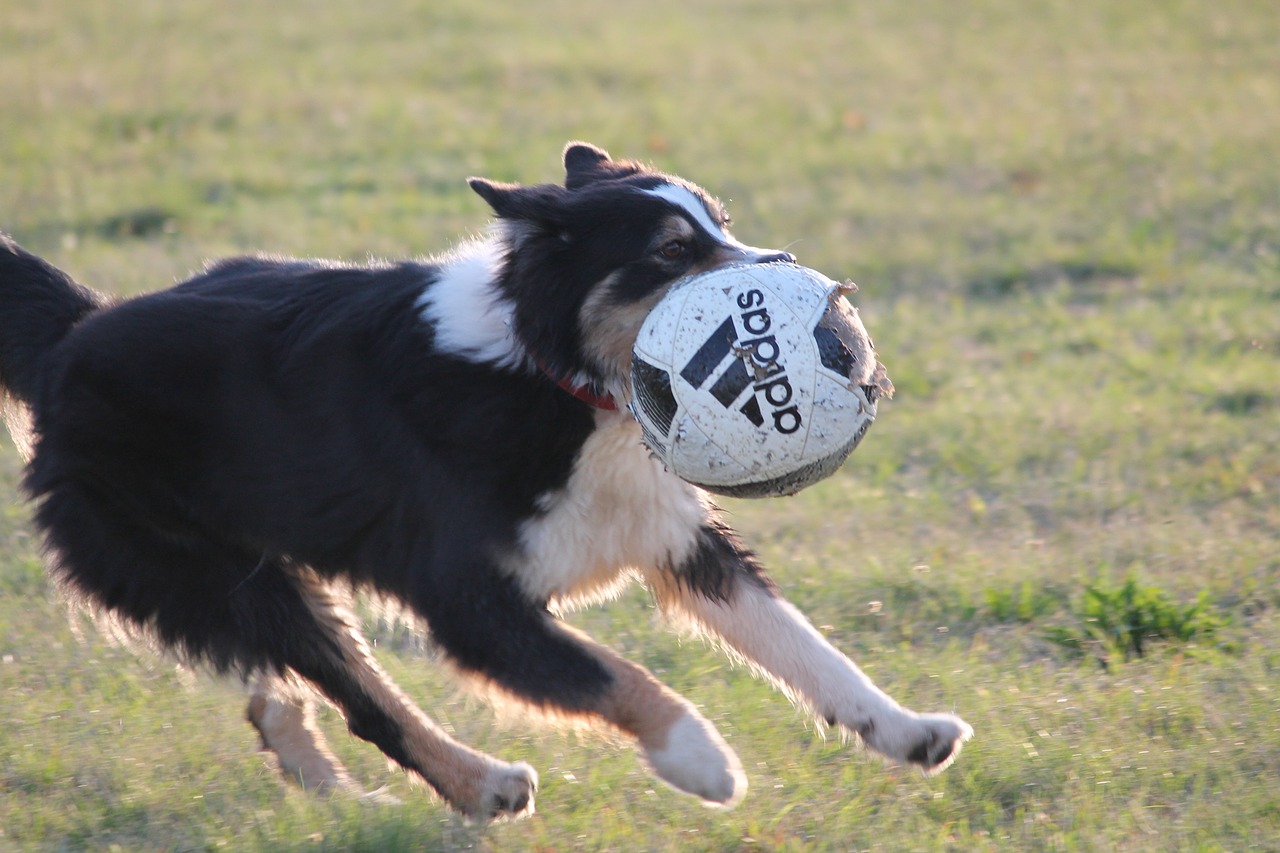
<point>689,202</point>
<point>620,509</point>
<point>471,318</point>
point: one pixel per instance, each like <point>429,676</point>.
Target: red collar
<point>582,392</point>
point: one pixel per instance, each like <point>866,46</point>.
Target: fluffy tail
<point>38,306</point>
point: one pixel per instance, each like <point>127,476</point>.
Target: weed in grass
<point>1121,622</point>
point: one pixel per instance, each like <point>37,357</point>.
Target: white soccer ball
<point>755,380</point>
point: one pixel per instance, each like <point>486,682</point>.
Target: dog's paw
<point>944,736</point>
<point>929,741</point>
<point>696,760</point>
<point>507,793</point>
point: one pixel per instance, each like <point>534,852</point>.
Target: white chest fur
<point>619,509</point>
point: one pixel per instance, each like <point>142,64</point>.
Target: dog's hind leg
<point>285,719</point>
<point>343,668</point>
<point>234,609</point>
<point>722,592</point>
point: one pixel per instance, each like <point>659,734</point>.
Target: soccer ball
<point>755,380</point>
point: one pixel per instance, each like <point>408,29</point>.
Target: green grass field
<point>1065,220</point>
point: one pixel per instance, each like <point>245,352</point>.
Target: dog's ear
<point>542,203</point>
<point>584,163</point>
<point>581,157</point>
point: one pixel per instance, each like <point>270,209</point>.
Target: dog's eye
<point>672,249</point>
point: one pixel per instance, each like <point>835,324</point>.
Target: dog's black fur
<point>209,457</point>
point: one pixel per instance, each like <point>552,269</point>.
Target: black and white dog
<point>221,464</point>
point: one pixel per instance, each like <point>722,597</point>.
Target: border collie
<point>222,463</point>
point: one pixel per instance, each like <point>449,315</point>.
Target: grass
<point>1065,221</point>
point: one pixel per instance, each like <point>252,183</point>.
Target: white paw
<point>508,792</point>
<point>696,760</point>
<point>929,741</point>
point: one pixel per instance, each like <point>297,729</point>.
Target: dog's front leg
<point>491,630</point>
<point>680,745</point>
<point>722,591</point>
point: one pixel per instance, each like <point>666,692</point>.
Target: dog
<point>221,464</point>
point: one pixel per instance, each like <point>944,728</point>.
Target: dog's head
<point>588,260</point>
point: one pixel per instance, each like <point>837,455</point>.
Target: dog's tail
<point>38,306</point>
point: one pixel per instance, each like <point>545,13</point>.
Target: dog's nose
<point>776,258</point>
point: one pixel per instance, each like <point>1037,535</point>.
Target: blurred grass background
<point>1065,220</point>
